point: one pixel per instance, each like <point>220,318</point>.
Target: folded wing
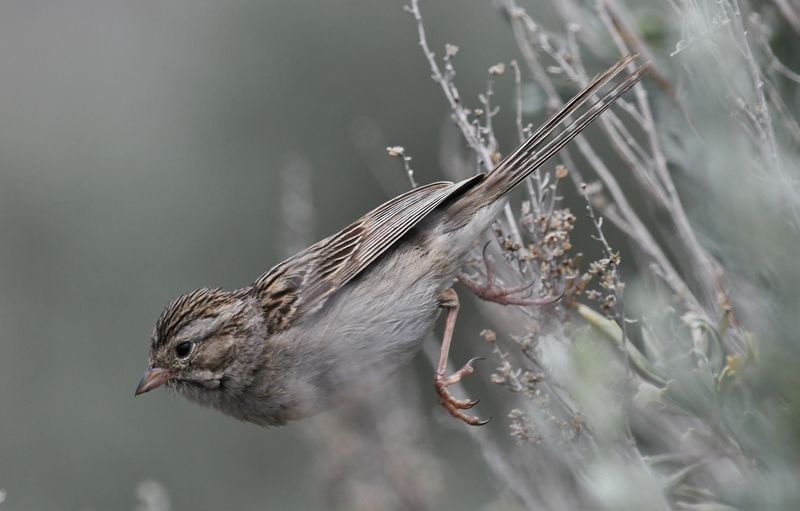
<point>301,284</point>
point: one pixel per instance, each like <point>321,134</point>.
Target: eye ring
<point>184,349</point>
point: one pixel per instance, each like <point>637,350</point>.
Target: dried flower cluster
<point>651,408</point>
<point>645,394</point>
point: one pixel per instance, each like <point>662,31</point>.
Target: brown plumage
<point>356,303</point>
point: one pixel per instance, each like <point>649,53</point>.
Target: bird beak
<point>153,378</point>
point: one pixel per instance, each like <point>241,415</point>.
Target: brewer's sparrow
<point>359,301</point>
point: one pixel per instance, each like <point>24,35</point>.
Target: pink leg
<point>502,295</point>
<point>449,302</point>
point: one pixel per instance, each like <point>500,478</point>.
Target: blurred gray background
<point>141,150</point>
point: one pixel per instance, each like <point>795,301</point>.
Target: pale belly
<point>378,321</point>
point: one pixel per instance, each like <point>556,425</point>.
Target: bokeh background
<point>142,146</point>
<point>152,147</point>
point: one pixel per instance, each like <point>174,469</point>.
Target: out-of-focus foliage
<point>678,391</point>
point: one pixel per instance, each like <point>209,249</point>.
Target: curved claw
<point>471,404</point>
<point>450,403</point>
<point>484,253</point>
<point>472,420</point>
<point>473,360</point>
<point>460,404</point>
<point>517,289</point>
<point>547,300</point>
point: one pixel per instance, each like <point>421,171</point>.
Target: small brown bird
<point>359,301</point>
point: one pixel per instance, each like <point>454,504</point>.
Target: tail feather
<point>536,150</point>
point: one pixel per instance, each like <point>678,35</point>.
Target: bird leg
<point>491,292</point>
<point>448,300</point>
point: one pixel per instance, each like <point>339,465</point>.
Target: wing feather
<point>302,283</point>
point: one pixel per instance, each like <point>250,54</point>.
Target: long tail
<point>537,149</point>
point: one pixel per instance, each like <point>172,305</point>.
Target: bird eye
<point>182,350</point>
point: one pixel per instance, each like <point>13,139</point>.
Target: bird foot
<point>450,403</point>
<point>491,292</point>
